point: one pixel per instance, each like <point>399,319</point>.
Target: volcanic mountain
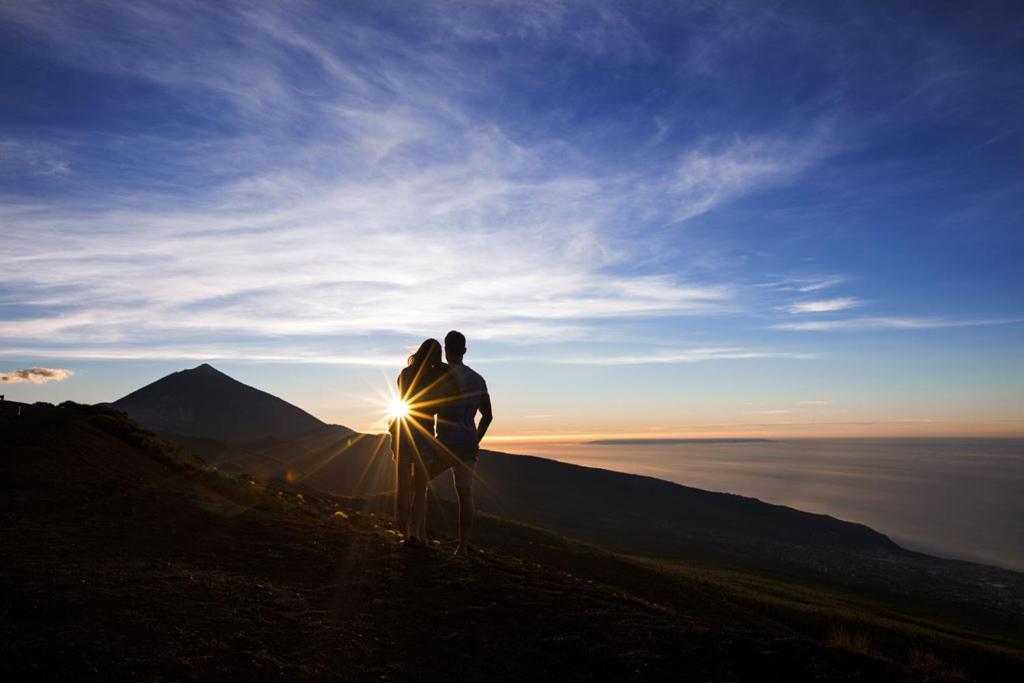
<point>241,429</point>
<point>204,402</point>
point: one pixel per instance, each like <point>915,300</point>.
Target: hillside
<point>126,557</point>
<point>627,513</point>
<point>656,516</point>
<point>206,412</point>
<point>649,517</point>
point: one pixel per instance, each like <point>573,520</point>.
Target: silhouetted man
<point>458,431</point>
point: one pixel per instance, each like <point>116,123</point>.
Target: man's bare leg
<point>464,490</point>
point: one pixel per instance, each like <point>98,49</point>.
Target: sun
<point>397,409</point>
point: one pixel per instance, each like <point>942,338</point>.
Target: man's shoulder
<point>474,376</point>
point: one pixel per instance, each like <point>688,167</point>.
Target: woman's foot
<point>414,543</point>
<point>462,551</point>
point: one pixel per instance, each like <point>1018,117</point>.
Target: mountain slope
<point>627,513</point>
<point>647,515</point>
<point>206,411</point>
<point>204,402</point>
<point>125,557</point>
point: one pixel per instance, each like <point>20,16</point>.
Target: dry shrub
<point>851,641</point>
<point>925,662</point>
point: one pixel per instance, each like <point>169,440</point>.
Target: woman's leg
<point>418,521</point>
<point>404,498</point>
<point>423,517</point>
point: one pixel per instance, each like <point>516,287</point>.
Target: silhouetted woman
<point>413,437</point>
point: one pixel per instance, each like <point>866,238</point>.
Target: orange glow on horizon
<point>809,430</point>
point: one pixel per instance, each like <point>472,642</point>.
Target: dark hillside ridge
<point>206,411</point>
<point>639,514</point>
<point>643,516</point>
<point>131,559</point>
<point>627,513</point>
<point>204,402</point>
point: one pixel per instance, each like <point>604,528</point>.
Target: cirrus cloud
<point>402,207</point>
<point>824,305</point>
<point>887,323</point>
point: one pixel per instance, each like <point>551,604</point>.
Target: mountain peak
<point>204,402</point>
<point>205,369</point>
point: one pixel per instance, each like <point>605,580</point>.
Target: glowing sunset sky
<point>648,218</point>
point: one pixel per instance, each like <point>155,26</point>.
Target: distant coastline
<point>667,442</point>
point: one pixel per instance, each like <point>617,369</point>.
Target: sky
<point>648,218</point>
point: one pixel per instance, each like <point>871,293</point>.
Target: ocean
<point>956,498</point>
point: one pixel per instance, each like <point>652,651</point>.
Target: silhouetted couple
<point>438,432</point>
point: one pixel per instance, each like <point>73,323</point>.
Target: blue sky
<point>648,218</point>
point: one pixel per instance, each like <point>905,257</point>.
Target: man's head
<point>454,347</point>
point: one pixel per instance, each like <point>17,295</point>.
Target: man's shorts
<point>461,461</point>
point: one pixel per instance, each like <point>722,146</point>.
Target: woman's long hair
<point>423,367</point>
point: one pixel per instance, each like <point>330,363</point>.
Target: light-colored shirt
<point>456,416</point>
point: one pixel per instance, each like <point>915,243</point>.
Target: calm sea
<point>961,498</point>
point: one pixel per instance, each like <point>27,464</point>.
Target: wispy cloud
<point>209,352</point>
<point>856,324</point>
<point>708,176</point>
<point>35,375</point>
<point>823,305</point>
<point>808,284</point>
<point>688,356</point>
<point>390,357</point>
<point>32,158</point>
<point>814,403</point>
<point>345,182</point>
<point>400,209</point>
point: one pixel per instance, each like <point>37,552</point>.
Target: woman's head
<point>428,355</point>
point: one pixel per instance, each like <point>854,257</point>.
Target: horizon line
<point>589,438</point>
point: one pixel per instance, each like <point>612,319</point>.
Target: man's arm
<point>485,417</point>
